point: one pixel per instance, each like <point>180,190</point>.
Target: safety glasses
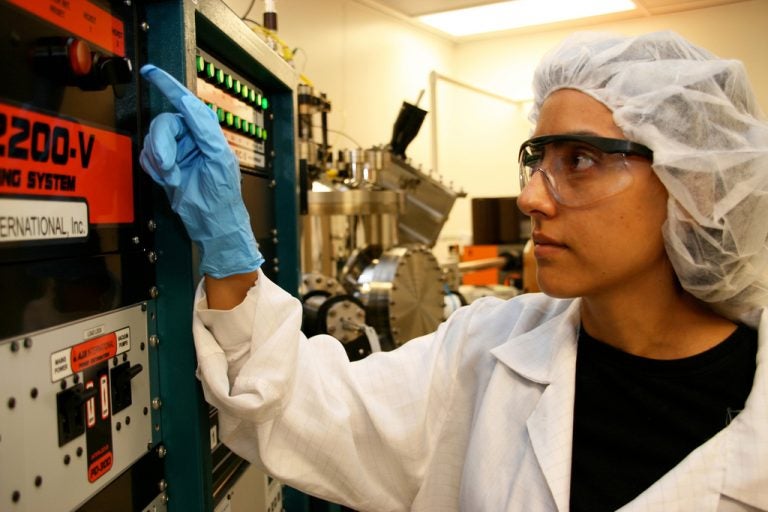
<point>580,169</point>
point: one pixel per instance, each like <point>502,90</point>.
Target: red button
<point>80,59</point>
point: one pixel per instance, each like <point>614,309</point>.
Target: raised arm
<point>187,154</point>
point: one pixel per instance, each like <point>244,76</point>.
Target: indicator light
<point>264,103</point>
<point>236,86</point>
<point>245,91</point>
<point>200,63</point>
<point>219,76</point>
<point>228,81</point>
<point>220,114</point>
<point>210,69</point>
<point>229,118</point>
<point>237,122</point>
<point>252,96</point>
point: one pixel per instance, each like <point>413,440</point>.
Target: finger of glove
<point>161,179</point>
<point>165,131</point>
<point>168,176</point>
<point>149,164</point>
<point>169,86</point>
<point>202,121</point>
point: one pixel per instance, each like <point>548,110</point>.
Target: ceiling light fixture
<point>520,13</point>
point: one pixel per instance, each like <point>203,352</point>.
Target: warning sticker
<point>89,353</point>
<point>101,464</point>
<point>83,19</point>
<point>43,155</point>
<point>31,219</point>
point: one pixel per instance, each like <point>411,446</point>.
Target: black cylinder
<point>406,127</point>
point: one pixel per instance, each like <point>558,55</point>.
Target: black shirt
<point>635,418</point>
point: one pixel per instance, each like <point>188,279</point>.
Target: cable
<point>251,20</point>
<point>306,57</point>
<point>285,50</point>
<point>248,11</point>
<point>287,53</point>
<point>342,134</point>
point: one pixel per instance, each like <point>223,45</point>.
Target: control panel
<point>75,409</point>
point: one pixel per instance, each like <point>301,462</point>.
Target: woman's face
<point>609,245</point>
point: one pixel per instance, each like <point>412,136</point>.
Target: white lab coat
<point>477,416</point>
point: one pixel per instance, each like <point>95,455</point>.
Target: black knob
<point>108,71</point>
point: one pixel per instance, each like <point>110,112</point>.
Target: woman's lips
<point>545,246</point>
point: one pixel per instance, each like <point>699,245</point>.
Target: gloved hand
<point>189,157</point>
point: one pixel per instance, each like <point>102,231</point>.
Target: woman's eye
<point>583,162</point>
<point>582,159</point>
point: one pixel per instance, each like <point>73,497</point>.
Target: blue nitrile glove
<point>189,157</point>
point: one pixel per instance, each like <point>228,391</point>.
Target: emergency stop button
<point>79,54</point>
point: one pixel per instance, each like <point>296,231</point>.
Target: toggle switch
<point>70,405</point>
<point>120,377</point>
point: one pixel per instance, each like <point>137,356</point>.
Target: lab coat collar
<point>747,439</point>
<point>535,354</point>
<point>547,355</point>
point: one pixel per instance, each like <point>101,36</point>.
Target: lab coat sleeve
<point>357,433</point>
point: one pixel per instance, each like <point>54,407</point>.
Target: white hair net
<point>698,114</point>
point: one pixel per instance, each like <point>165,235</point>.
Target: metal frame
<point>174,29</point>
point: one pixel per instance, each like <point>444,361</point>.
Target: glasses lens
<point>576,172</point>
<point>529,160</point>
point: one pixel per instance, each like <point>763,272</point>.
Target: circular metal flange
<point>316,281</point>
<point>403,294</point>
<point>341,316</point>
<point>344,318</point>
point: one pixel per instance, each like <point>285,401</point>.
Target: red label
<point>100,466</point>
<point>49,156</point>
<point>93,352</point>
<point>83,19</point>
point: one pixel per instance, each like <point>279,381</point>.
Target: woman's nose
<point>536,196</point>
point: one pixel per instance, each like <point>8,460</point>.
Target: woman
<point>634,381</point>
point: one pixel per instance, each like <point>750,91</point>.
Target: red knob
<point>79,55</point>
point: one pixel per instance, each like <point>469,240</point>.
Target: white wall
<point>369,62</point>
